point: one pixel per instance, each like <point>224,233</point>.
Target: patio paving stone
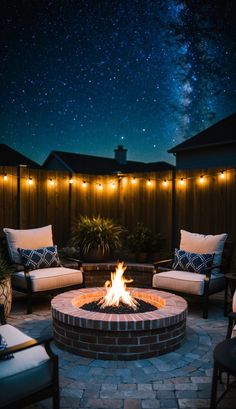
<point>177,380</point>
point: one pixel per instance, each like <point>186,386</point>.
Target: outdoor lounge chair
<point>37,265</point>
<point>28,368</point>
<point>198,267</point>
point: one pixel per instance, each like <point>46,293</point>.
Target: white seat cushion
<point>201,243</point>
<point>49,278</point>
<point>27,239</point>
<point>186,282</point>
<point>25,373</point>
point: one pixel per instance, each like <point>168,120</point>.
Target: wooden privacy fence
<point>164,201</point>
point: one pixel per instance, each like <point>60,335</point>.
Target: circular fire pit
<point>118,336</point>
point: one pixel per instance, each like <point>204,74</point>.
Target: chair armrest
<point>28,344</point>
<point>162,263</point>
<point>18,267</point>
<point>80,263</point>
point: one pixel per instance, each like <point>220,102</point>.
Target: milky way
<point>88,75</point>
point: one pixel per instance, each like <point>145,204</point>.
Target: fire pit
<point>121,336</point>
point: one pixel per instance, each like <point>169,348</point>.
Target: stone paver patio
<point>180,379</point>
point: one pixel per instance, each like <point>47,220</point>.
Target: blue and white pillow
<point>192,262</point>
<point>3,346</point>
<point>44,257</point>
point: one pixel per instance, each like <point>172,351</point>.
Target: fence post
<point>18,204</point>
<point>173,211</point>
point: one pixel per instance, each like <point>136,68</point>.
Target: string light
<point>221,174</point>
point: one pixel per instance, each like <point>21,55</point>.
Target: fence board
<point>205,208</point>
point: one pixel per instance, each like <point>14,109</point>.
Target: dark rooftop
<point>79,163</point>
<point>11,157</point>
<point>221,133</point>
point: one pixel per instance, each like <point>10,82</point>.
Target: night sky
<point>87,75</point>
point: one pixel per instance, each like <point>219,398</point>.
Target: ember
<point>121,308</point>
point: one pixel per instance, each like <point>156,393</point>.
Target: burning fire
<point>116,290</point>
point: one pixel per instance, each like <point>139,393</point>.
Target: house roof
<point>79,163</point>
<point>221,133</point>
<point>11,157</point>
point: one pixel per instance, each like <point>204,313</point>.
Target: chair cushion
<point>28,372</point>
<point>193,262</point>
<point>233,335</point>
<point>27,239</point>
<point>185,282</point>
<point>48,278</point>
<point>201,243</point>
<point>44,257</point>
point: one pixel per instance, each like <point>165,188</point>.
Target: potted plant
<point>143,242</point>
<point>5,284</point>
<point>97,237</point>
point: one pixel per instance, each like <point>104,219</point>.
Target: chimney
<point>120,155</point>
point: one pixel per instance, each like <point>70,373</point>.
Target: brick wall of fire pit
<point>119,336</point>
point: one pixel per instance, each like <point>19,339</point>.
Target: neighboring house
<point>213,147</point>
<point>11,157</point>
<point>88,164</point>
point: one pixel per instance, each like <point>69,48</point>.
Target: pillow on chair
<point>44,257</point>
<point>3,346</point>
<point>202,244</point>
<point>192,262</point>
<point>27,239</point>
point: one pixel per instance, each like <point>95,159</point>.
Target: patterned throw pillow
<point>3,346</point>
<point>192,262</point>
<point>44,257</point>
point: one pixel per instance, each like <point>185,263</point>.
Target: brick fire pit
<point>118,336</point>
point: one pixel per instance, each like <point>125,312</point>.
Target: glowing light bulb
<point>182,181</point>
<point>165,182</point>
<point>113,185</point>
<point>51,182</point>
<point>71,181</point>
<point>149,182</point>
<point>30,181</point>
<point>134,181</point>
<point>84,184</point>
<point>5,177</point>
<point>100,187</point>
<point>222,175</point>
<point>201,179</point>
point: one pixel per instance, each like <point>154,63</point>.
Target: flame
<point>116,290</point>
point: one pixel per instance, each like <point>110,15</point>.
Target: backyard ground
<point>180,379</point>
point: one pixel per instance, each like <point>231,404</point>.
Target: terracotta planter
<point>6,294</point>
